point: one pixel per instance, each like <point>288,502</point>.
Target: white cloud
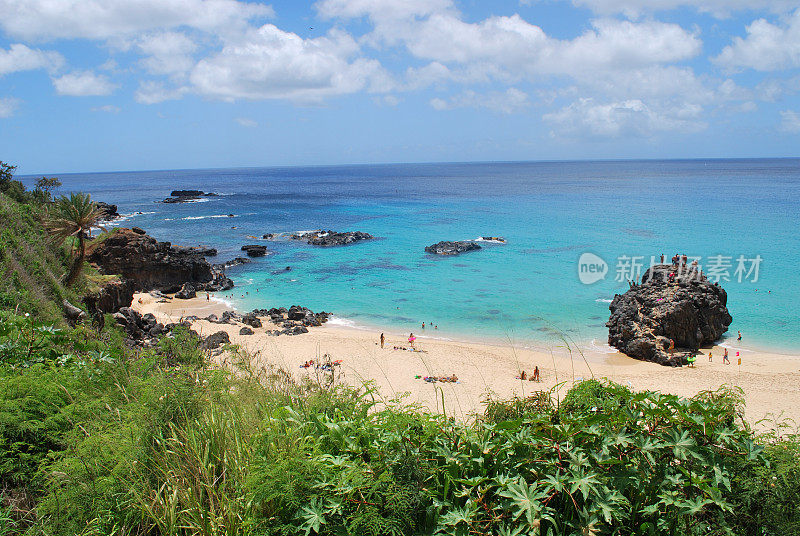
<point>246,122</point>
<point>586,118</point>
<point>168,53</point>
<point>154,92</point>
<point>509,46</point>
<point>507,102</point>
<point>83,84</point>
<point>108,108</point>
<point>790,121</point>
<point>8,105</point>
<point>767,47</point>
<point>103,19</point>
<point>22,58</point>
<point>270,63</point>
<point>718,8</point>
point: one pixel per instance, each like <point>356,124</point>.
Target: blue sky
<point>93,85</point>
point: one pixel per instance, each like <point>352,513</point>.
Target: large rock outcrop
<point>112,296</point>
<point>150,264</point>
<point>452,248</point>
<point>685,307</point>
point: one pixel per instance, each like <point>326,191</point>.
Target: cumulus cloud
<point>767,46</point>
<point>167,53</point>
<point>269,63</point>
<point>8,105</point>
<point>509,46</point>
<point>718,8</point>
<point>154,92</point>
<point>790,121</point>
<point>22,58</point>
<point>83,84</point>
<point>103,19</point>
<point>507,102</point>
<point>586,118</point>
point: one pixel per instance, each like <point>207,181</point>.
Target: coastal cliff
<point>150,264</point>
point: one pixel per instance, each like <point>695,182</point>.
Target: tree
<point>13,189</point>
<point>73,216</point>
<point>44,188</point>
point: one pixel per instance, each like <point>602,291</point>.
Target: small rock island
<point>452,248</point>
<point>674,302</point>
<point>330,238</point>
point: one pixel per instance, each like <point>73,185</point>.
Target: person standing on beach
<point>411,339</point>
<point>709,357</point>
<point>382,340</point>
<point>536,374</point>
<point>725,357</point>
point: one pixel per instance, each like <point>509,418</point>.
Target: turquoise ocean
<point>526,291</point>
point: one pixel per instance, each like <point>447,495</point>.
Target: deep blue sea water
<point>527,290</point>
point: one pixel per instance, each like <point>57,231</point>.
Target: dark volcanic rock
<point>149,264</point>
<point>294,320</point>
<point>255,250</point>
<point>451,248</point>
<point>689,309</point>
<point>143,330</point>
<point>231,263</point>
<point>108,212</point>
<point>245,331</point>
<point>251,320</point>
<point>110,298</point>
<point>329,238</point>
<point>200,250</point>
<point>187,292</point>
<point>184,196</point>
<point>215,340</point>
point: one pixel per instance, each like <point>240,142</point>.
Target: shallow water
<point>526,290</point>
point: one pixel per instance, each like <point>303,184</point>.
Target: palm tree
<point>73,216</point>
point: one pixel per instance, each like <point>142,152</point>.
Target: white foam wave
<point>207,217</point>
<point>344,322</point>
<point>226,303</point>
<point>601,347</point>
<point>603,300</point>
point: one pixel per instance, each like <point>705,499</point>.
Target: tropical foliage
<point>73,216</point>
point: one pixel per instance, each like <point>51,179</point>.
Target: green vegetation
<point>100,438</point>
<point>73,217</point>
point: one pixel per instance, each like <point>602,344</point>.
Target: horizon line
<point>431,162</point>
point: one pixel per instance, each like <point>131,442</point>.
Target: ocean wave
<point>207,217</point>
<point>226,303</point>
<point>603,300</point>
<point>343,322</point>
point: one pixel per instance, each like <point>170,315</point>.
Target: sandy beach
<point>769,381</point>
